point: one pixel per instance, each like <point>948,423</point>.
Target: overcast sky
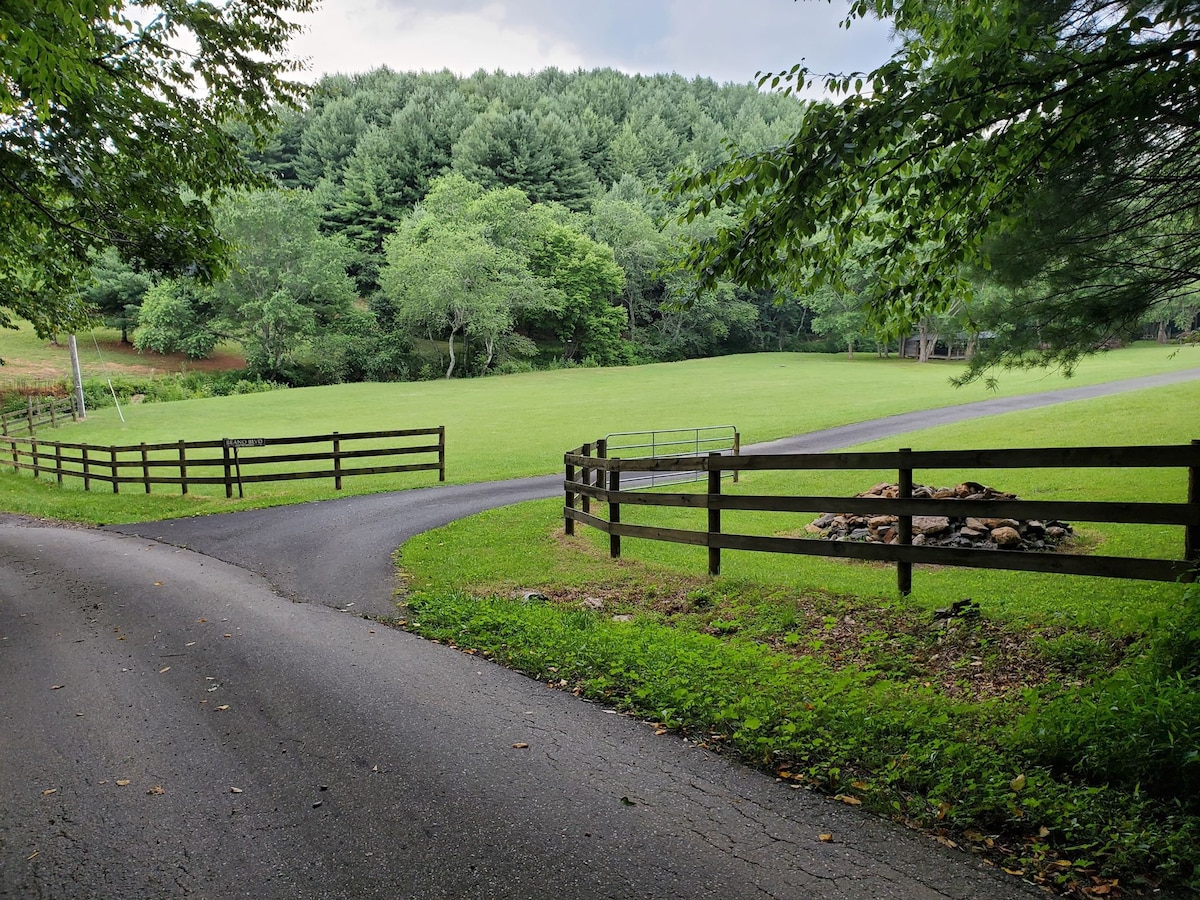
<point>726,40</point>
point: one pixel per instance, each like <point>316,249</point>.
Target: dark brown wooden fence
<point>595,478</point>
<point>38,411</point>
<point>232,462</point>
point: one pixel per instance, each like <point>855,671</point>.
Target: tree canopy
<point>110,136</point>
<point>1053,139</point>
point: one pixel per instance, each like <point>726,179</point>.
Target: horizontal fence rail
<point>232,462</point>
<point>598,477</point>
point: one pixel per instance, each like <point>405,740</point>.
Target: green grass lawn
<point>516,425</point>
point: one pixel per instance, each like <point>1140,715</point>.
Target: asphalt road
<point>205,722</point>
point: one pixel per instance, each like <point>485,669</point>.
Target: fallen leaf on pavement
<point>57,687</point>
<point>520,745</point>
<point>846,798</point>
<point>235,790</point>
<point>32,855</point>
<point>164,670</point>
<point>49,791</point>
<point>157,789</point>
<point>223,706</point>
<point>825,838</point>
<point>124,782</point>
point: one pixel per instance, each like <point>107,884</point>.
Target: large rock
<point>930,524</point>
<point>1006,537</point>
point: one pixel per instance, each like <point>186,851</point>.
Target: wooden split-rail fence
<point>38,411</point>
<point>231,462</point>
<point>595,478</point>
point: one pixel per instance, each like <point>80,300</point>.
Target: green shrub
<point>98,392</point>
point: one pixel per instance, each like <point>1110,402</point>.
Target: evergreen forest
<point>422,225</point>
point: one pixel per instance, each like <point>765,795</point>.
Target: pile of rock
<point>945,531</point>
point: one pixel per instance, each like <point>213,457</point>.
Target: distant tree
<point>450,281</point>
<point>288,281</point>
<point>329,141</point>
<point>639,248</point>
<point>115,291</point>
<point>454,268</point>
<point>111,136</point>
<point>179,315</point>
<point>584,281</point>
<point>510,148</point>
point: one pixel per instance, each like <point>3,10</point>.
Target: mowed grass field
<point>518,425</point>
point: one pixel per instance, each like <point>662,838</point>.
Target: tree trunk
<point>450,347</point>
<point>850,349</point>
<point>1162,332</point>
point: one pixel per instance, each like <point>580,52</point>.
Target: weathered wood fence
<point>594,477</point>
<point>232,462</point>
<point>38,411</point>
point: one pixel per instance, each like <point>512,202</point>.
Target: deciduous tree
<point>110,135</point>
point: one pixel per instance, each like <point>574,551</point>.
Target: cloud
<point>727,40</point>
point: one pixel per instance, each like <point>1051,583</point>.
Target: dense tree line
<point>425,224</point>
<point>489,223</point>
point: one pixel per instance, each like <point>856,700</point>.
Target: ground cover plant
<point>1052,723</point>
<point>517,425</point>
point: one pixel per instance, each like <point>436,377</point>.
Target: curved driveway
<point>172,726</point>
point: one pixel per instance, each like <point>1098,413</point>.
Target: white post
<point>77,377</point>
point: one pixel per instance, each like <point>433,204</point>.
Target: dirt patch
<point>114,358</point>
<point>955,651</point>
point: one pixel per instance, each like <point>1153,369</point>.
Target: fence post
<point>29,414</point>
<point>53,418</point>
<point>441,453</point>
<point>1191,535</point>
<point>904,525</point>
<point>16,455</point>
<point>183,467</point>
<point>714,513</point>
<point>87,473</point>
<point>737,451</point>
<point>33,453</point>
<point>58,470</point>
<point>585,501</point>
<point>228,470</point>
<point>614,513</point>
<point>569,499</point>
<point>4,422</point>
<point>113,463</point>
<point>337,462</point>
<point>145,467</point>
